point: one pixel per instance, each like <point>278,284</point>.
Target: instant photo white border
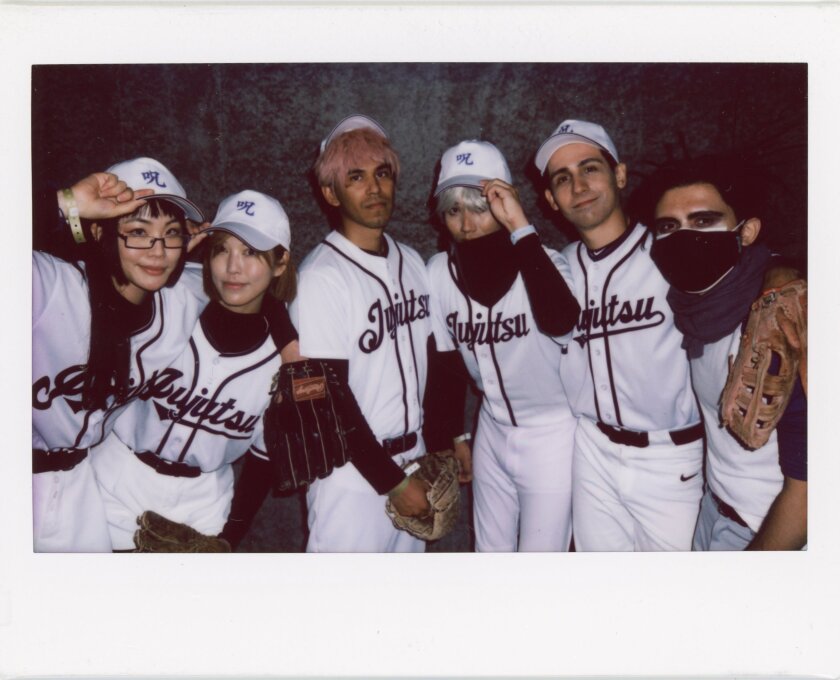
<point>690,615</point>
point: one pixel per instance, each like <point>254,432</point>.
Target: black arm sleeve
<point>280,325</point>
<point>248,495</point>
<point>792,432</point>
<point>445,398</point>
<point>367,454</point>
<point>555,308</point>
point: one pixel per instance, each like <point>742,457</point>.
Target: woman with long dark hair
<point>103,331</point>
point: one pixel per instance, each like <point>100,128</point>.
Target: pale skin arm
<point>463,454</point>
<point>786,525</point>
<point>504,203</point>
<point>102,195</point>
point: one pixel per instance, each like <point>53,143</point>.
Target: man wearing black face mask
<point>499,300</point>
<point>706,248</point>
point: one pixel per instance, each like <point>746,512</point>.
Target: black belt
<point>726,510</point>
<point>57,460</point>
<point>400,444</point>
<point>640,439</point>
<point>167,467</point>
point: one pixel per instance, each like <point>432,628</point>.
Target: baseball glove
<point>160,535</point>
<point>772,354</point>
<point>305,434</point>
<point>439,472</point>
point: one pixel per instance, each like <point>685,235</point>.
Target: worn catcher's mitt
<point>439,472</point>
<point>305,433</point>
<point>158,534</point>
<point>773,352</point>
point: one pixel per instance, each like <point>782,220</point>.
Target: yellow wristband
<point>72,216</point>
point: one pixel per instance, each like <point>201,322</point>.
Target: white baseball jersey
<point>516,367</point>
<point>67,509</point>
<point>373,311</point>
<point>748,481</point>
<point>522,454</point>
<point>625,366</point>
<point>60,344</point>
<point>206,409</point>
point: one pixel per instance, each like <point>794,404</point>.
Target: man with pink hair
<point>364,298</point>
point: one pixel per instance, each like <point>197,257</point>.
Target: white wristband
<point>515,236</point>
<point>462,438</point>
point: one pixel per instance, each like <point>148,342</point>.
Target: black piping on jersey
<point>606,337</point>
<point>221,386</point>
<point>212,398</point>
<point>391,306</point>
<point>159,304</point>
<point>175,421</point>
<point>410,333</point>
<point>453,271</point>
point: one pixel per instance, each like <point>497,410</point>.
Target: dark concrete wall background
<point>222,128</point>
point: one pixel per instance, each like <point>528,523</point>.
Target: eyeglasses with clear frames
<point>170,241</point>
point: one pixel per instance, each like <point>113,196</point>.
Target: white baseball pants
<point>522,486</point>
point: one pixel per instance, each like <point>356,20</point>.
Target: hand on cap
<point>503,200</point>
<point>197,234</point>
<point>103,195</point>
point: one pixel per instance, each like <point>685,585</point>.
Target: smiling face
<point>583,187</point>
<point>146,270</point>
<point>364,196</point>
<point>241,275</point>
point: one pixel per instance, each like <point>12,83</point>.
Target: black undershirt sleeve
<point>792,432</point>
<point>367,454</point>
<point>280,325</point>
<point>554,307</point>
<point>445,398</point>
<point>248,495</point>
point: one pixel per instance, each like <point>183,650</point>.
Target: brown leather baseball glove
<point>773,352</point>
<point>439,472</point>
<point>158,534</point>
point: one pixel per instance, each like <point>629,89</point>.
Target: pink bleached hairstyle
<point>352,149</point>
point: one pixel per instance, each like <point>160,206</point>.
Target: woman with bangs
<point>172,449</point>
<point>101,330</point>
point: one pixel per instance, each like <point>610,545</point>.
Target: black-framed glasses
<point>172,241</point>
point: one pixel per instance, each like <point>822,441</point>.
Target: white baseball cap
<point>355,122</point>
<point>572,132</point>
<point>147,173</point>
<point>469,162</point>
<point>255,219</point>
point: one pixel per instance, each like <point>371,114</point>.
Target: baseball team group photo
<point>419,307</point>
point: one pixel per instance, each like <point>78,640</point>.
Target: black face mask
<point>694,261</point>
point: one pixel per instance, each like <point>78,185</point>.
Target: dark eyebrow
<point>595,159</point>
<point>704,213</point>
